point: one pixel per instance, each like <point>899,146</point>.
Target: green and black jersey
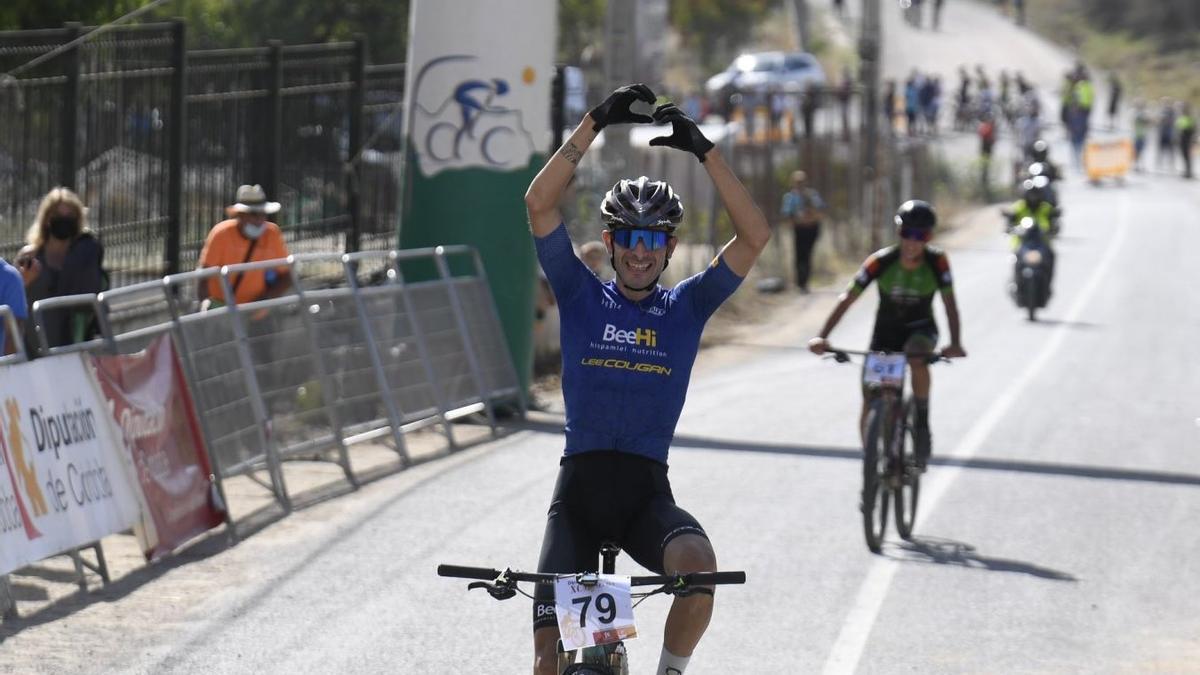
<point>905,296</point>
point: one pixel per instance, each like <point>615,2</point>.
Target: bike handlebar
<point>843,355</point>
<point>692,579</point>
<point>461,572</point>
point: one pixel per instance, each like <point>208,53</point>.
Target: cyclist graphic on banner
<point>464,118</point>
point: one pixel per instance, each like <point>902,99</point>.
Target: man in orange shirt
<point>246,237</point>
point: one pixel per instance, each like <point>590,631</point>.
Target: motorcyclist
<point>1039,153</point>
<point>1035,206</point>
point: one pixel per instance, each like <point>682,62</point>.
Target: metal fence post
<point>177,131</point>
<point>69,131</point>
<point>257,406</point>
<point>558,112</point>
<point>385,388</point>
<point>8,604</point>
<point>335,420</point>
<point>460,320</point>
<point>491,306</point>
<point>358,78</point>
<point>414,320</point>
<point>189,372</point>
<point>274,121</point>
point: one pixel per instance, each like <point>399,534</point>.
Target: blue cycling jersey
<point>626,364</point>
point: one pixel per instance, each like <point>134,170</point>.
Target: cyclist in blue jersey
<point>628,346</point>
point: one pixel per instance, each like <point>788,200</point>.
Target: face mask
<point>253,231</point>
<point>63,227</point>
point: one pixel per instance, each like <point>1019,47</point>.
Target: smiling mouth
<point>638,267</point>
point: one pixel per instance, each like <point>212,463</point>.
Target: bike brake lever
<point>497,591</point>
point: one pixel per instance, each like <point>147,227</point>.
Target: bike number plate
<point>885,369</point>
<point>593,614</point>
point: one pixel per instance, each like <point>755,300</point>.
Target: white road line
<point>848,648</point>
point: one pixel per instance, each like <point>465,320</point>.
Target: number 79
<point>605,604</point>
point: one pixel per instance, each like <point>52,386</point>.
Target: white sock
<point>669,664</point>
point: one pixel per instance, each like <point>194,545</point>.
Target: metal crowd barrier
<point>308,374</point>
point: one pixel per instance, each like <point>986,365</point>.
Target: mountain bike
<point>890,473</point>
<point>594,610</point>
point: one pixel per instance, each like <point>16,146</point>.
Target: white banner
<point>479,82</point>
<point>64,478</point>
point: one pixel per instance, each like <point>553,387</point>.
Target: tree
<point>727,23</point>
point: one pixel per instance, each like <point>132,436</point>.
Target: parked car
<point>766,72</point>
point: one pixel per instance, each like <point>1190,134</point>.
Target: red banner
<point>149,399</point>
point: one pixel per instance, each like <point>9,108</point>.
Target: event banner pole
<point>477,108</point>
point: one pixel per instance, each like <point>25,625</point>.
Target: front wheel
<point>875,489</point>
<point>910,481</point>
<point>1031,298</point>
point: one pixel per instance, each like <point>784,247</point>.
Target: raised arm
<point>546,190</point>
<point>750,227</point>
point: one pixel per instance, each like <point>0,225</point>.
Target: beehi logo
<point>12,444</point>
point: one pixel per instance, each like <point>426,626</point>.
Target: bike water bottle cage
<point>629,238</point>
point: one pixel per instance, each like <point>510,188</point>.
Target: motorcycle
<point>1033,268</point>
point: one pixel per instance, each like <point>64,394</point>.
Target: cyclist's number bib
<point>593,614</point>
<point>885,369</point>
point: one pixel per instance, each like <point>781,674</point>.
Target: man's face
<point>251,218</point>
<point>911,249</point>
<point>638,267</point>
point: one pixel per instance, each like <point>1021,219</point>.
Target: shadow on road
<point>213,543</point>
<point>684,443</point>
<point>1087,325</point>
<point>939,551</point>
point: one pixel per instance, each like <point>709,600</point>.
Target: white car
<point>765,72</point>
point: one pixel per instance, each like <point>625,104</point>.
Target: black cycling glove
<point>685,135</point>
<point>615,108</point>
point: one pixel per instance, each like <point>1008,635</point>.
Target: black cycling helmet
<point>1040,150</point>
<point>641,203</point>
<point>916,213</point>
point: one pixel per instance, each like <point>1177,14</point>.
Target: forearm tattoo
<point>571,153</point>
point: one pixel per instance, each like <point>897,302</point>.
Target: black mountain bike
<point>608,656</point>
<point>890,473</point>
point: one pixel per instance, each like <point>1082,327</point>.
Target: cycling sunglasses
<point>916,233</point>
<point>629,237</point>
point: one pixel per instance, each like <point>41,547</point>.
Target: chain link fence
<point>155,139</point>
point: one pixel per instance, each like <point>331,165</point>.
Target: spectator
<point>809,103</point>
<point>844,91</point>
<point>1114,99</point>
<point>62,257</point>
<point>12,294</point>
<point>803,206</point>
<point>1166,136</point>
<point>937,14</point>
<point>247,236</point>
<point>931,102</point>
<point>1186,125</point>
<point>987,141</point>
<point>889,105</point>
<point>912,102</point>
<point>594,254</point>
<point>1141,129</point>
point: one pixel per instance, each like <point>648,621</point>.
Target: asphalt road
<point>1056,530</point>
<point>1057,522</point>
